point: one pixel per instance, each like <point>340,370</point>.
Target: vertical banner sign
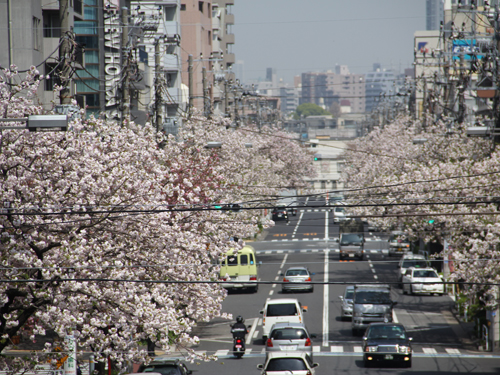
<point>70,363</point>
<point>112,53</point>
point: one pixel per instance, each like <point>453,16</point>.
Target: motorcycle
<point>238,347</point>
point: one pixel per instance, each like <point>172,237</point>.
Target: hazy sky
<point>296,36</point>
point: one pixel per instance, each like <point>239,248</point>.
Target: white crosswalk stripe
<point>358,349</point>
<point>429,350</point>
<point>336,349</point>
<point>220,353</point>
<point>316,349</point>
<point>452,351</point>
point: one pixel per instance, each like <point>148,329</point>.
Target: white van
<point>283,310</point>
<point>241,267</point>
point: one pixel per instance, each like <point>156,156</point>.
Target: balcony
<point>229,19</point>
<point>229,38</point>
<point>229,58</point>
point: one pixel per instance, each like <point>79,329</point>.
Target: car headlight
<point>404,349</point>
<point>371,349</point>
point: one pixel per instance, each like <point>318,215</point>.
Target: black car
<point>166,367</point>
<point>280,213</point>
<point>386,342</point>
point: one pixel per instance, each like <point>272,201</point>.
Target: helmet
<point>239,319</point>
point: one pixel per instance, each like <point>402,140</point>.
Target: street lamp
<point>213,145</point>
<point>419,141</point>
<point>478,131</point>
<point>36,123</point>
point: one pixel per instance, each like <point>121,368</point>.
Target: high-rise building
<point>326,88</point>
<point>434,14</point>
<point>378,82</point>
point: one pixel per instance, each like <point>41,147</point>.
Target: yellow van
<point>241,268</point>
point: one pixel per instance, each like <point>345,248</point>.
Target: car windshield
<point>339,209</point>
<point>424,273</point>
<point>414,263</point>
<point>398,238</point>
<point>286,364</point>
<point>289,334</point>
<point>349,293</point>
<point>296,273</point>
<point>232,260</point>
<point>351,238</point>
<point>162,369</point>
<point>386,332</point>
<point>282,309</point>
<point>375,297</point>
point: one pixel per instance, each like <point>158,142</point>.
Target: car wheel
<point>255,289</point>
<point>312,290</point>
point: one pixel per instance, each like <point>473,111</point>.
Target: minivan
<point>371,304</point>
<point>242,269</point>
<point>283,310</point>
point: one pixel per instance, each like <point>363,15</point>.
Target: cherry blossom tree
<point>440,179</point>
<point>108,235</point>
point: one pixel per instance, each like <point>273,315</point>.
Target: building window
<point>183,6</point>
<point>200,6</point>
<point>334,184</point>
<point>209,37</point>
<point>36,33</point>
<point>340,166</point>
<point>323,184</point>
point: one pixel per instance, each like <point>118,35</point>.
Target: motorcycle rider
<point>239,329</point>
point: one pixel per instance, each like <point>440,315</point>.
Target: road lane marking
<point>336,349</point>
<point>274,286</point>
<point>220,353</point>
<point>284,260</point>
<point>326,301</point>
<point>358,349</point>
<point>276,278</point>
<point>271,292</point>
<point>394,317</point>
<point>255,334</point>
<point>316,349</point>
<point>297,225</point>
<point>452,351</point>
<point>326,226</point>
<point>260,321</point>
<point>429,350</point>
<point>375,276</point>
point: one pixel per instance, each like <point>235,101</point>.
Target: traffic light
<point>317,157</point>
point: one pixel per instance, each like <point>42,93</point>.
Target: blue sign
<point>466,48</point>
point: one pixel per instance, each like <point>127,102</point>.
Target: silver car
<point>346,307</point>
<point>289,337</point>
<point>297,278</point>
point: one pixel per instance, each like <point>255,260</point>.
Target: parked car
<point>386,343</point>
<point>398,243</point>
<point>281,310</point>
<point>288,363</point>
<point>415,281</point>
<point>165,367</point>
<point>297,278</point>
<point>411,260</point>
<point>289,337</point>
<point>346,306</point>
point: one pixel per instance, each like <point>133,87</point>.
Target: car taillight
<point>223,278</point>
<point>285,280</point>
<point>269,343</point>
<point>309,373</point>
<point>308,342</point>
<point>238,341</point>
<point>253,277</point>
<point>308,279</point>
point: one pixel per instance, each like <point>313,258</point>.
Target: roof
<point>281,300</point>
<point>387,324</point>
<point>297,268</point>
<point>286,354</point>
<point>371,286</point>
<point>413,256</point>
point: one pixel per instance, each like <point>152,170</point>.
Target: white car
<point>339,214</point>
<point>282,310</point>
<point>411,260</point>
<point>288,363</point>
<point>422,280</point>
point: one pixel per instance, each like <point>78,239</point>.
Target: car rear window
<point>286,364</point>
<point>296,273</point>
<point>289,334</point>
<point>162,369</point>
<point>374,297</point>
<point>414,263</point>
<point>282,309</point>
<point>424,273</point>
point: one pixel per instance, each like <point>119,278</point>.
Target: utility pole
<point>226,99</point>
<point>190,85</point>
<point>206,106</point>
<point>158,101</point>
<point>126,53</point>
<point>65,52</point>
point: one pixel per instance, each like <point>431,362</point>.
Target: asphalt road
<point>309,240</point>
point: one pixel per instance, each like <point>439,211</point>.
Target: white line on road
<point>271,292</point>
<point>298,223</point>
<point>429,350</point>
<point>337,349</point>
<point>316,349</point>
<point>326,225</point>
<point>326,301</point>
<point>284,260</point>
<point>274,285</point>
<point>394,317</point>
<point>375,277</point>
<point>276,278</point>
<point>358,349</point>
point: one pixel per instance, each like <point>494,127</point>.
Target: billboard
<point>467,48</point>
